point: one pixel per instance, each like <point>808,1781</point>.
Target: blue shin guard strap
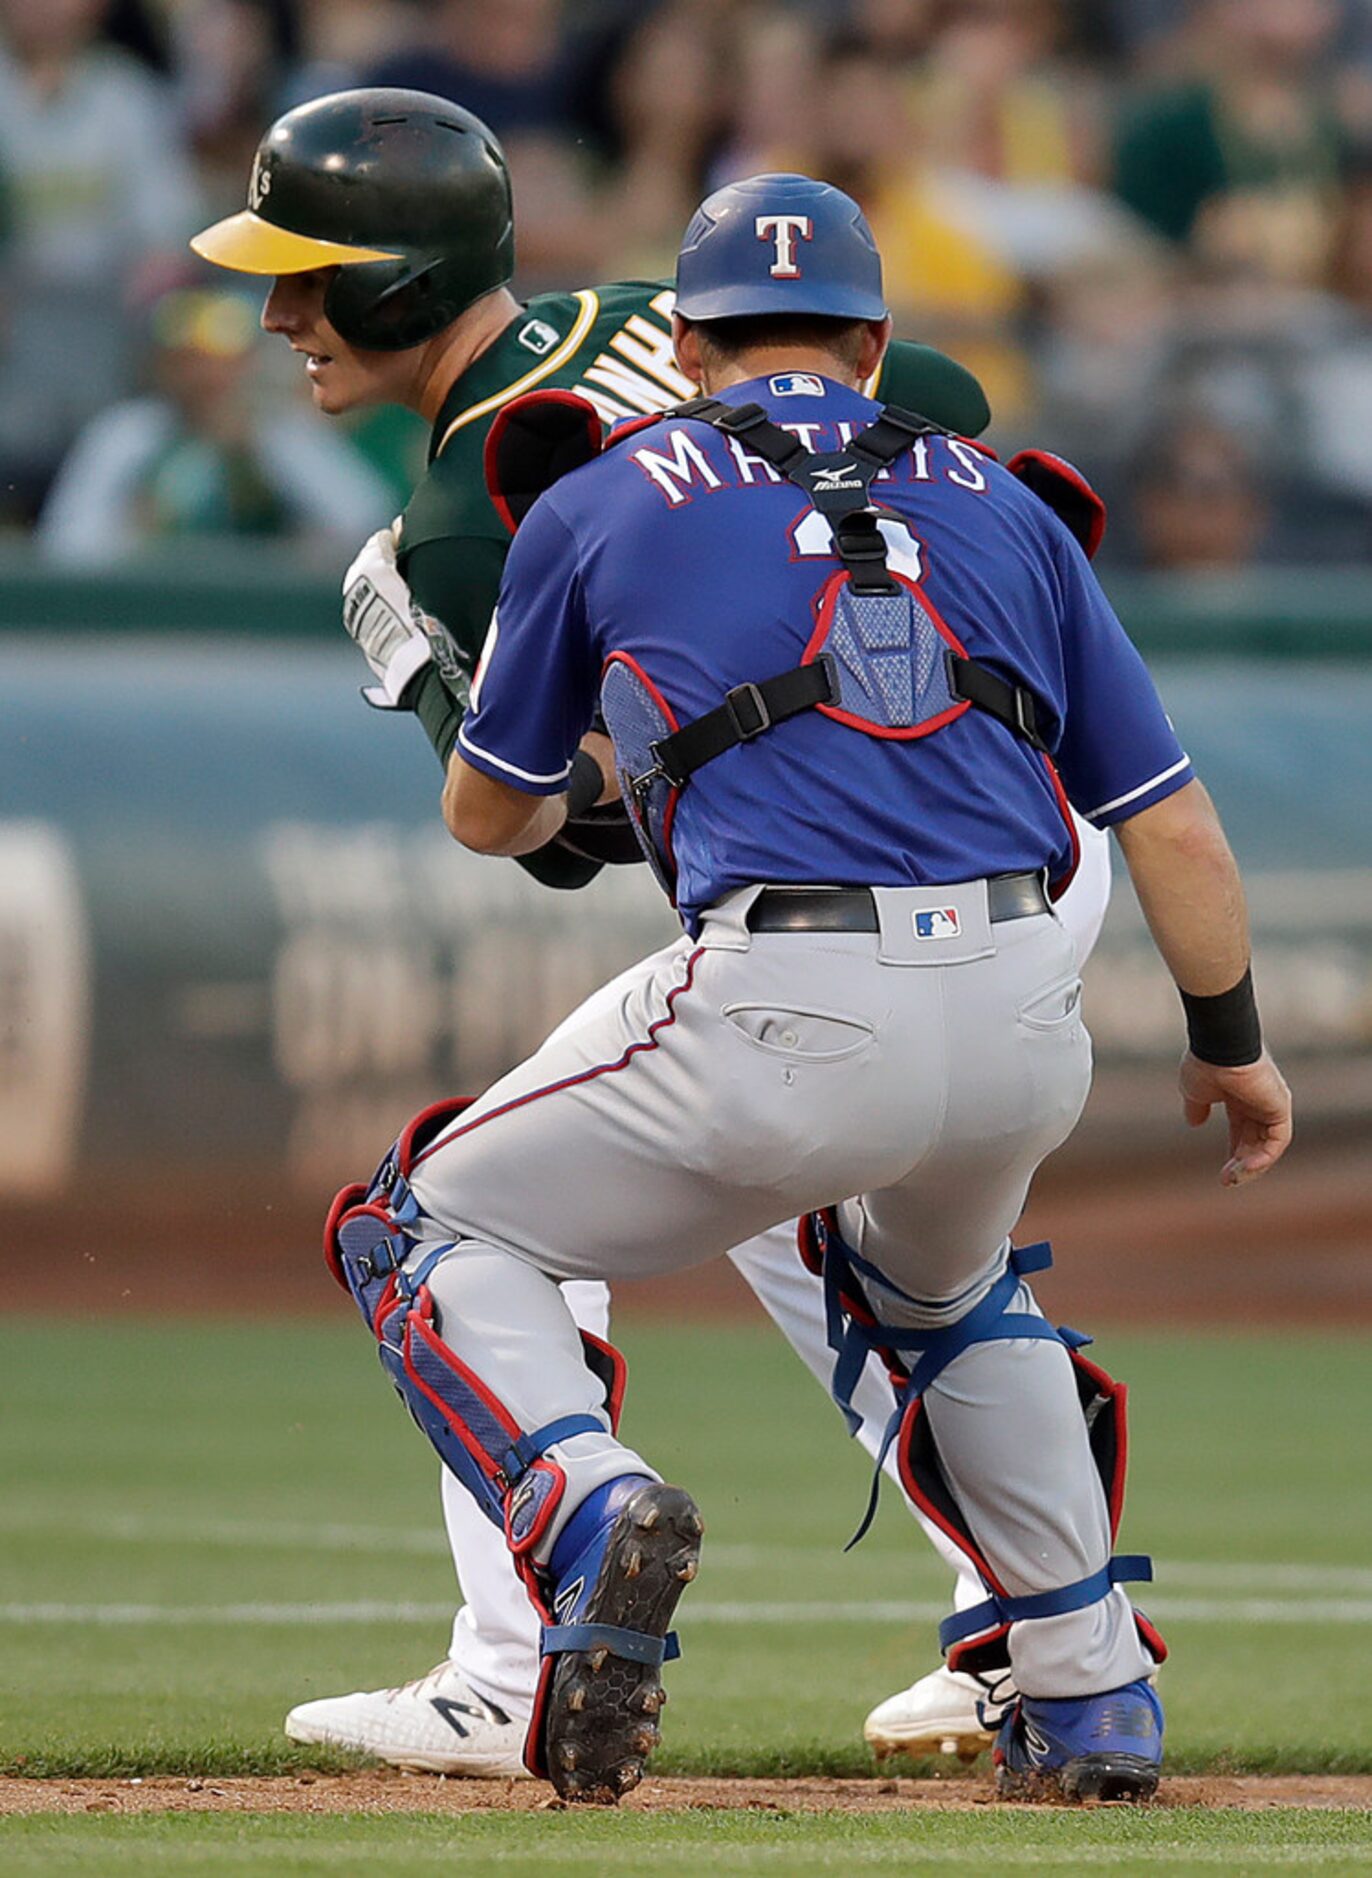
<point>522,1454</point>
<point>1129,1568</point>
<point>635,1646</point>
<point>989,1321</point>
<point>409,1282</point>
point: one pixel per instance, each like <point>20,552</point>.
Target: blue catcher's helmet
<point>779,244</point>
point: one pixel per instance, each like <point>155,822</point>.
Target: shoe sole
<point>502,1767</point>
<point>932,1744</point>
<point>602,1710</point>
<point>1090,1777</point>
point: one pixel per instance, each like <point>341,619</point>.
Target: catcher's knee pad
<point>370,1233</point>
<point>973,1639</point>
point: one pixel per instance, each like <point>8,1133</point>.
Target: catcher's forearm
<point>492,817</point>
<point>1188,886</point>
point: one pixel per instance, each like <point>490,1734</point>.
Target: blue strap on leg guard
<point>633,1645</point>
<point>988,1321</point>
<point>852,1340</point>
<point>1128,1568</point>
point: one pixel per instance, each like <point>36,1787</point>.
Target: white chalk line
<point>139,1529</point>
<point>812,1611</point>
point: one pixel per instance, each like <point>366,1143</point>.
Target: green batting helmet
<point>406,194</point>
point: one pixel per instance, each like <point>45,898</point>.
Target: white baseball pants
<point>746,1079</point>
<point>495,1632</point>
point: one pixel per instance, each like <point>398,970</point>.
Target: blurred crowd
<point>1146,224</point>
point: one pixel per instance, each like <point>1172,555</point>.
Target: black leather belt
<point>852,909</point>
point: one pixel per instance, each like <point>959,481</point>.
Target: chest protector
<point>880,659</point>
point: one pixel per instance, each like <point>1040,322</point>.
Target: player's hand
<point>393,633</point>
<point>1258,1104</point>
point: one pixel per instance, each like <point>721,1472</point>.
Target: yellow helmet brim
<point>249,245</point>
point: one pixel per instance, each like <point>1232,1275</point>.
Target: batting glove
<point>395,635</point>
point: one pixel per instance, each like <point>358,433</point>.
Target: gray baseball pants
<point>749,1078</point>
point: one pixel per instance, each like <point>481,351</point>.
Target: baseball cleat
<point>600,1719</point>
<point>434,1725</point>
<point>945,1712</point>
<point>1090,1747</point>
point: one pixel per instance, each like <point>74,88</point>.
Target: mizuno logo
<point>841,476</point>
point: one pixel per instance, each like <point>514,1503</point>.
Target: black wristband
<point>438,711</point>
<point>585,784</point>
<point>1225,1030</point>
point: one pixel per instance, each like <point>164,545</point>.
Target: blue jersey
<point>681,552</point>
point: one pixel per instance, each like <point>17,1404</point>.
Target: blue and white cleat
<point>618,1568</point>
<point>1089,1747</point>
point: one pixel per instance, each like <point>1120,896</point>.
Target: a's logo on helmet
<point>260,187</point>
<point>783,231</point>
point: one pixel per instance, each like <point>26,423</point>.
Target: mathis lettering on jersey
<point>682,465</point>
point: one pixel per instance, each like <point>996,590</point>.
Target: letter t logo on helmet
<point>822,257</point>
<point>783,230</point>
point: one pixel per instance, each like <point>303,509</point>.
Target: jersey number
<point>813,541</point>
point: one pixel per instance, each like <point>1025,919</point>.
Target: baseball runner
<point>786,710</point>
<point>386,216</point>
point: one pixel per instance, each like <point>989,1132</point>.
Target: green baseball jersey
<point>613,345</point>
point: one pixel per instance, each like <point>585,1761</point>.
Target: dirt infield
<point>387,1791</point>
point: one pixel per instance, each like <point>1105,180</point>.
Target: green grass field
<point>203,1524</point>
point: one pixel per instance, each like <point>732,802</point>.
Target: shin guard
<point>370,1233</point>
<point>973,1640</point>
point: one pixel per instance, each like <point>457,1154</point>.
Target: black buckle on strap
<point>755,719</point>
<point>1026,721</point>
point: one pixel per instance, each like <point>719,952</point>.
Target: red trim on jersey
<point>828,602</point>
<point>673,724</point>
<point>650,1042</point>
<point>975,443</point>
<point>630,426</point>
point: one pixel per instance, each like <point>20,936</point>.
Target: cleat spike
<point>687,1572</point>
<point>633,1562</point>
<point>576,1699</point>
<point>597,1659</point>
<point>647,1519</point>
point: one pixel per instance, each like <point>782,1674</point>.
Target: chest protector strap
<point>838,484</point>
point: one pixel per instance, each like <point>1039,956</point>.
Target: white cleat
<point>938,1715</point>
<point>435,1725</point>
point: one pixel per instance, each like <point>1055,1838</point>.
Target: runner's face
<point>342,377</point>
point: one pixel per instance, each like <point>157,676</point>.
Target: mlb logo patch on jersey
<point>937,922</point>
<point>796,385</point>
<point>538,336</point>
